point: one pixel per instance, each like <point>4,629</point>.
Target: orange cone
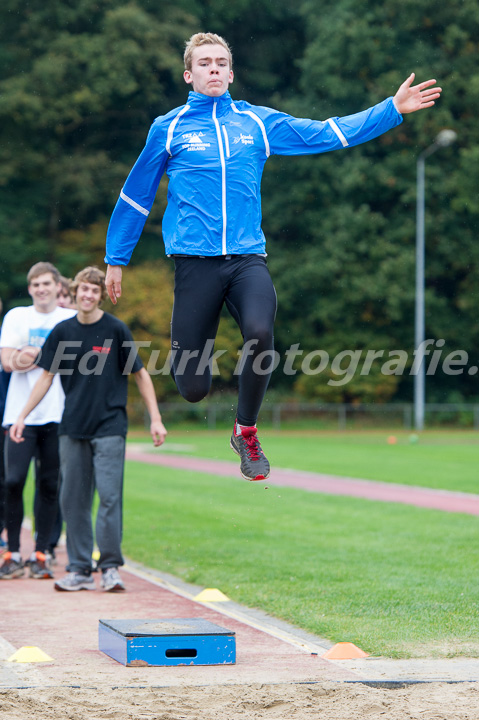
<point>344,651</point>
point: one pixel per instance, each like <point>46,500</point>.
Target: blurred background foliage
<point>82,81</point>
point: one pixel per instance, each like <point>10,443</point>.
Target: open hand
<point>410,98</point>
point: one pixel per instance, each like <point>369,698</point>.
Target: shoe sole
<point>251,479</point>
<point>42,576</point>
<point>14,575</point>
<point>258,477</point>
<point>73,589</point>
<point>115,589</point>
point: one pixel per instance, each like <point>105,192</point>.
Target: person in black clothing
<point>93,353</point>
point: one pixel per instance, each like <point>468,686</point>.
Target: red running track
<point>445,500</point>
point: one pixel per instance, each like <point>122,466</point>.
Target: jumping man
<point>213,150</point>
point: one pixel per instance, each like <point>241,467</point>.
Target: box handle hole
<point>181,653</point>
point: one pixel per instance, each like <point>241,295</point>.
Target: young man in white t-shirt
<point>24,330</point>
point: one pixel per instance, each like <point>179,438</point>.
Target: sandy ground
<point>338,701</point>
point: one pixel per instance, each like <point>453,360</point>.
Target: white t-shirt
<point>26,326</point>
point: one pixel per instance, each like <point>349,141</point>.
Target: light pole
<point>443,139</point>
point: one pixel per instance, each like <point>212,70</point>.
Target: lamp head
<point>446,138</point>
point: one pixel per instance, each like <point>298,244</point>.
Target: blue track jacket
<point>213,151</point>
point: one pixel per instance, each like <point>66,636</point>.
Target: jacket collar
<point>205,102</point>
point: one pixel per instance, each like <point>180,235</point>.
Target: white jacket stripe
<point>260,123</point>
<point>223,180</point>
<point>134,204</point>
<point>169,136</point>
<point>338,132</point>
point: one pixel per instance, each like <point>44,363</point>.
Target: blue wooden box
<point>191,641</point>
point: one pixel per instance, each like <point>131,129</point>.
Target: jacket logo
<point>193,141</point>
<point>245,139</point>
<point>101,349</point>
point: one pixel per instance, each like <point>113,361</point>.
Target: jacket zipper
<point>223,179</point>
<point>227,142</point>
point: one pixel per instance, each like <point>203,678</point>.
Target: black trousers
<point>41,442</point>
<point>2,479</point>
<point>202,286</point>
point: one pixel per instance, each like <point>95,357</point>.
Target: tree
<point>342,227</point>
<point>83,81</point>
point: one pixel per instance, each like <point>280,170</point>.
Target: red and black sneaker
<point>254,464</point>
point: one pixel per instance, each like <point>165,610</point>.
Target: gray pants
<point>86,464</point>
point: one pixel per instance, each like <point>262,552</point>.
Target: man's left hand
<point>410,98</point>
<point>158,432</point>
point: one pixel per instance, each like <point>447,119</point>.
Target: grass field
<point>440,459</point>
<point>396,580</point>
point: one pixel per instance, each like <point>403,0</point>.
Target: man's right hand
<point>113,282</point>
<point>16,431</point>
<point>410,98</point>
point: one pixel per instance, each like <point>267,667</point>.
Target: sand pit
<point>338,701</point>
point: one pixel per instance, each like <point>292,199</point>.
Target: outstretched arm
<point>39,390</point>
<point>157,429</point>
<point>410,98</point>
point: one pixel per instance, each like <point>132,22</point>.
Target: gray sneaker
<point>75,581</point>
<point>11,568</point>
<point>111,580</point>
<point>254,464</point>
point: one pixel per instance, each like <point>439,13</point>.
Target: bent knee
<point>193,392</point>
<point>260,338</point>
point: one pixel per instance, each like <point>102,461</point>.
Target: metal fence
<point>322,415</point>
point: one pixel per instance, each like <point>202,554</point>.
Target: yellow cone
<point>344,651</point>
<point>30,654</point>
<point>211,595</point>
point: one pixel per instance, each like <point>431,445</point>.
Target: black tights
<point>202,286</point>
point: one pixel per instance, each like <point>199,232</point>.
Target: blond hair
<point>92,275</point>
<point>200,39</point>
